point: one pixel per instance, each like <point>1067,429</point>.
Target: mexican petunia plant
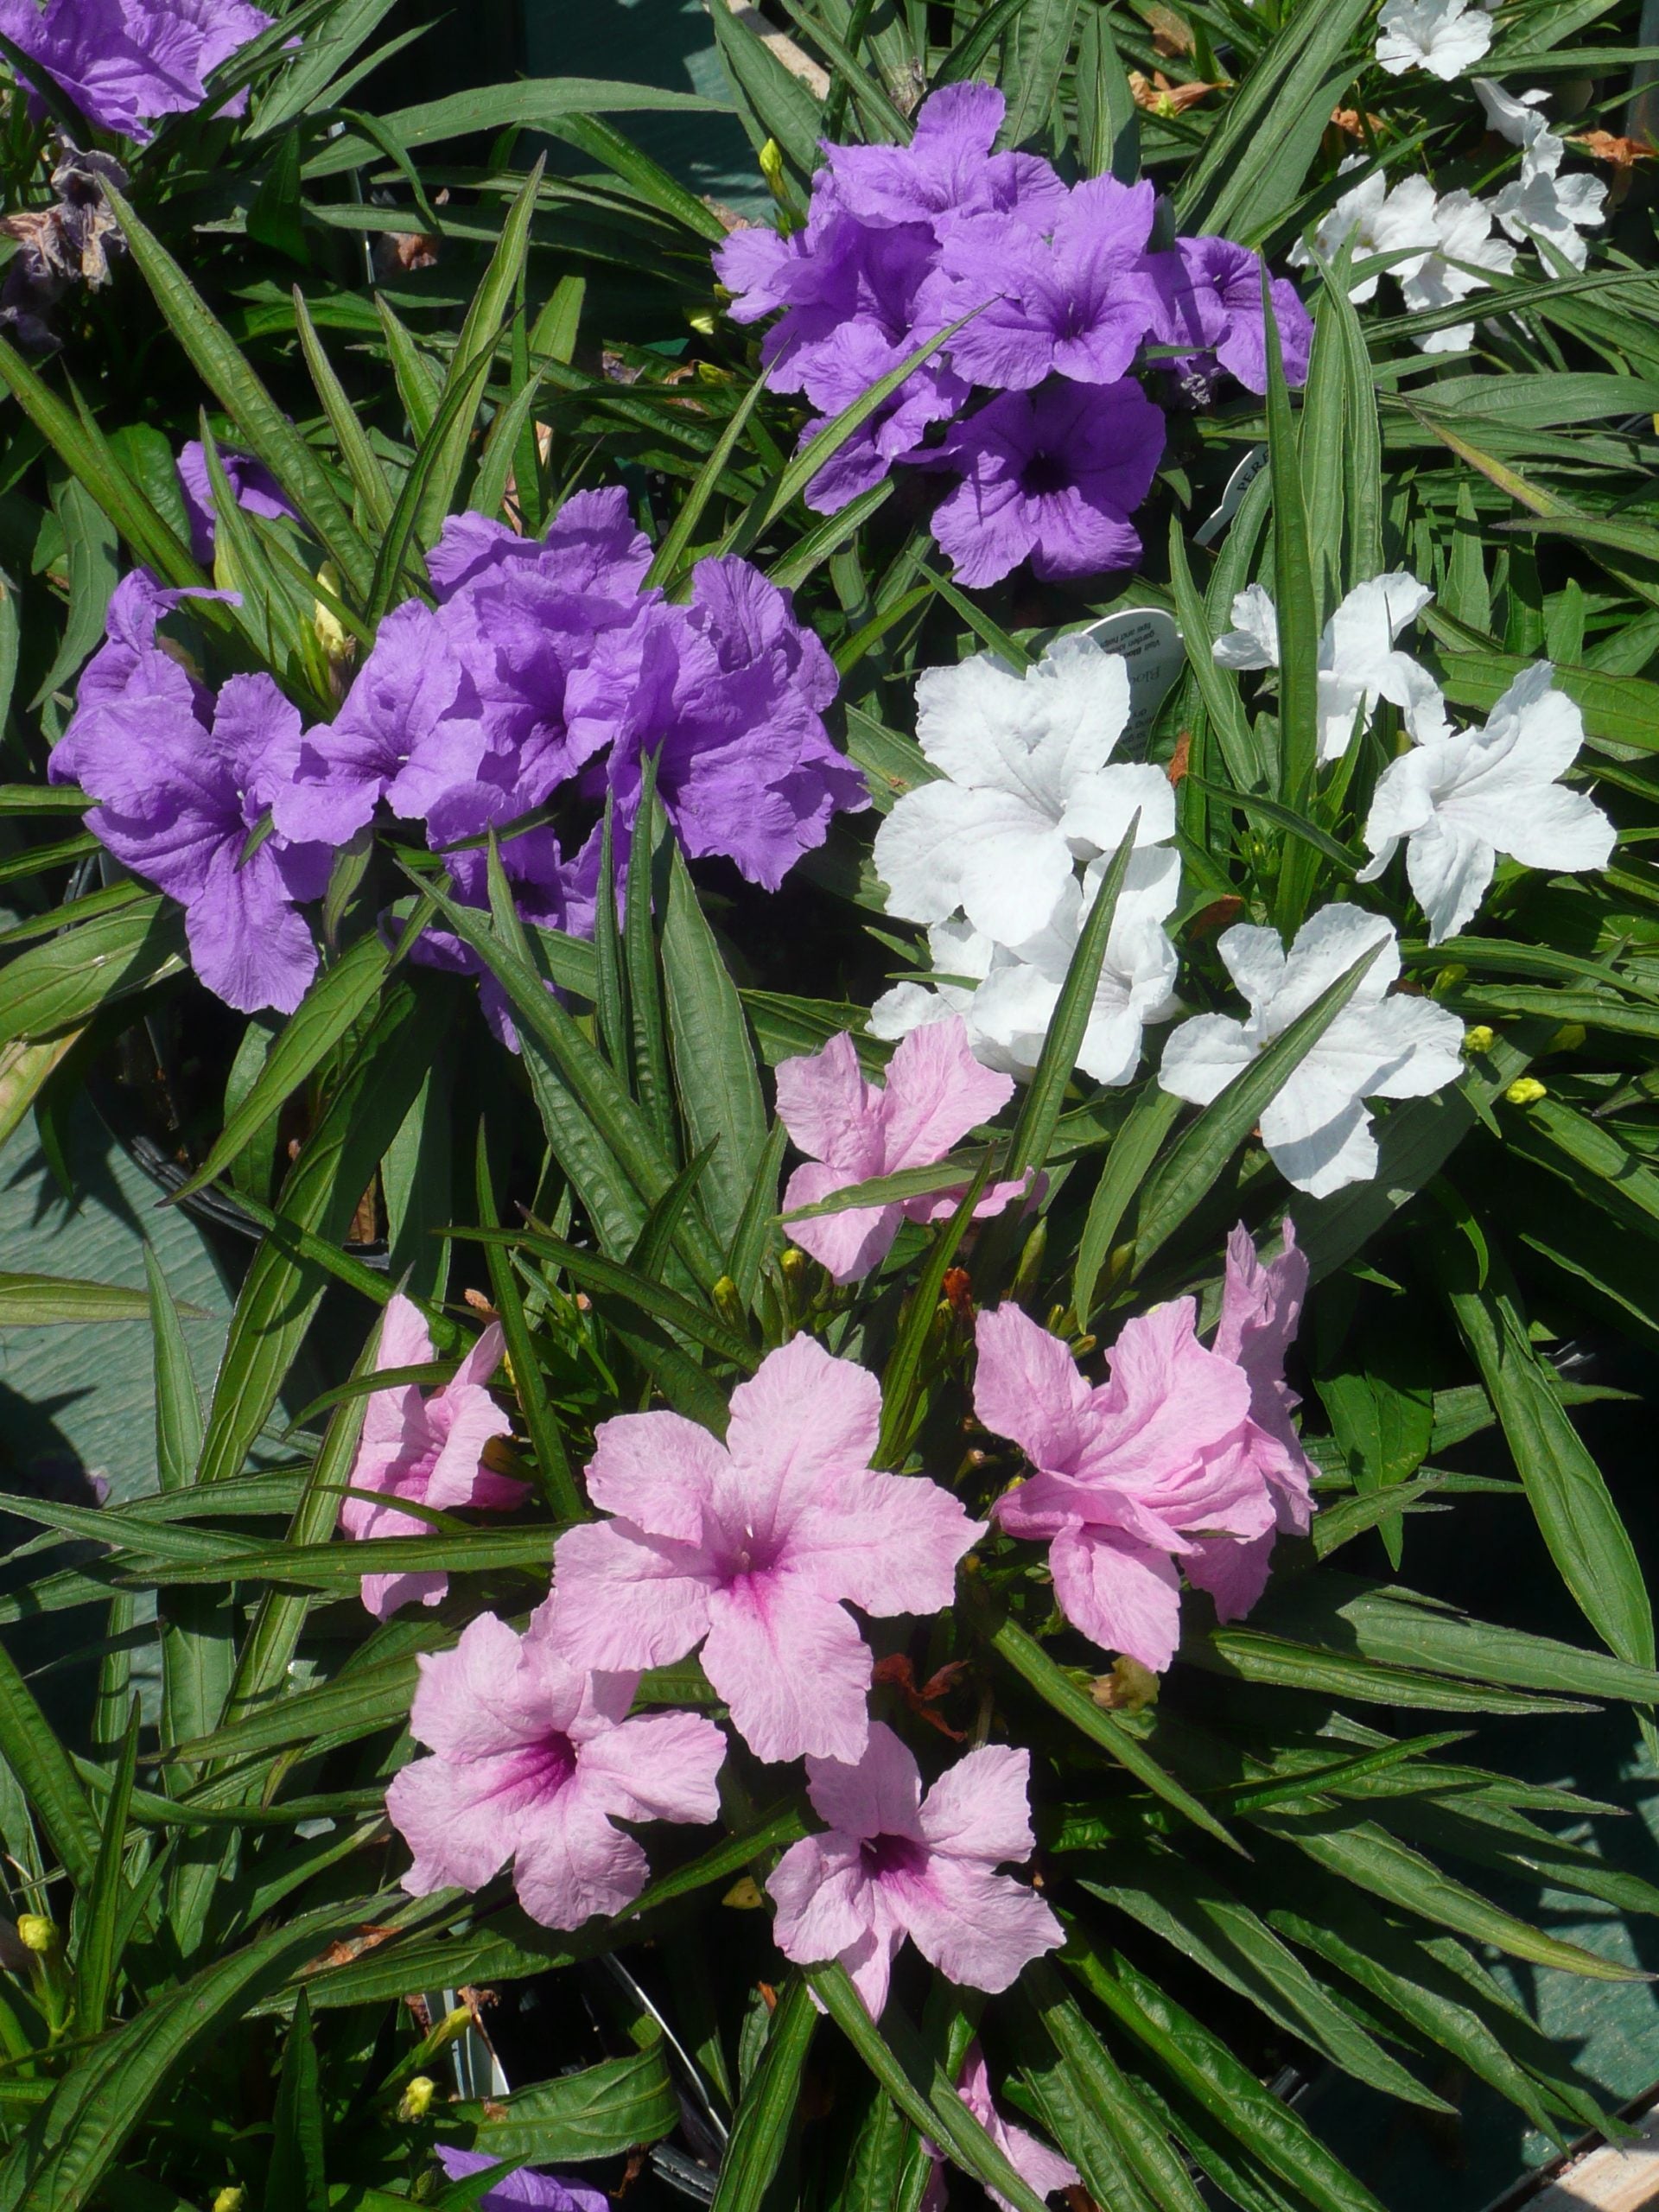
<point>892,907</point>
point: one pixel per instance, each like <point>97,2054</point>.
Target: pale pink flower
<point>852,1130</point>
<point>753,1547</point>
<point>429,1450</point>
<point>1038,2164</point>
<point>896,1864</point>
<point>533,1761</point>
<point>1261,1307</point>
<point>1129,1475</point>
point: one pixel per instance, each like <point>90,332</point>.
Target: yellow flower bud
<point>772,168</point>
<point>332,636</point>
<point>1480,1039</point>
<point>702,322</point>
<point>744,1896</point>
<point>1526,1090</point>
<point>1568,1038</point>
<point>231,2199</point>
<point>418,2098</point>
<point>36,1933</point>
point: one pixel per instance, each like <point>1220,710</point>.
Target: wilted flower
<point>535,1761</point>
<point>430,1451</point>
<point>755,1547</point>
<point>1127,1476</point>
<point>1316,1129</point>
<point>1459,797</point>
<point>896,1864</point>
<point>853,1129</point>
<point>1025,790</point>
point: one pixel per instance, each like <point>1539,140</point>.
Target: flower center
<point>1043,473</point>
<point>892,1854</point>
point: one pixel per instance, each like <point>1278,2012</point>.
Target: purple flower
<point>1208,298</point>
<point>256,489</point>
<point>429,1450</point>
<point>842,369</point>
<point>838,272</point>
<point>897,1863</point>
<point>1127,1475</point>
<point>1053,475</point>
<point>947,169</point>
<point>411,728</point>
<point>730,692</point>
<point>853,1130</point>
<point>1072,299</point>
<point>179,803</point>
<point>1042,2169</point>
<point>755,1547</point>
<point>522,2190</point>
<point>590,546</point>
<point>122,662</point>
<point>125,63</point>
<point>1261,1309</point>
<point>535,1761</point>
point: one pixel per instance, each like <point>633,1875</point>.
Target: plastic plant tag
<point>1233,498</point>
<point>1150,642</point>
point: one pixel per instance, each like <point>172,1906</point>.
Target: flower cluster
<point>987,855</point>
<point>546,669</point>
<point>127,63</point>
<point>752,1549</point>
<point>1044,297</point>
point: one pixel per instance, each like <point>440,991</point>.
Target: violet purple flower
<point>755,1547</point>
<point>1073,299</point>
<point>1209,295</point>
<point>853,1129</point>
<point>524,2190</point>
<point>534,1760</point>
<point>947,169</point>
<point>895,1864</point>
<point>180,801</point>
<point>427,1450</point>
<point>126,63</point>
<point>256,488</point>
<point>1052,475</point>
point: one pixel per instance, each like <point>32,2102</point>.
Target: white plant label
<point>1150,642</point>
<point>1233,498</point>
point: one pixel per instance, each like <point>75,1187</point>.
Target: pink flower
<point>750,1548</point>
<point>854,1130</point>
<point>1261,1307</point>
<point>533,1761</point>
<point>1041,2168</point>
<point>427,1449</point>
<point>1127,1475</point>
<point>897,1863</point>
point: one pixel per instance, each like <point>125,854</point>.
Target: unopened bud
<point>727,1303</point>
<point>794,1262</point>
<point>1568,1038</point>
<point>336,641</point>
<point>1526,1090</point>
<point>1450,976</point>
<point>744,1896</point>
<point>1131,1687</point>
<point>772,168</point>
<point>1479,1039</point>
<point>35,1933</point>
<point>231,2199</point>
<point>418,2098</point>
<point>702,322</point>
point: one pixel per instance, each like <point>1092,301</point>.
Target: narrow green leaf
<point>766,2109</point>
<point>98,1911</point>
<point>713,1058</point>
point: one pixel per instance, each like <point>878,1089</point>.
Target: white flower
<point>1355,216</point>
<point>1541,204</point>
<point>1316,1129</point>
<point>1465,796</point>
<point>1018,986</point>
<point>1025,792</point>
<point>1359,664</point>
<point>1443,36</point>
<point>1518,118</point>
<point>1013,1006</point>
<point>1463,234</point>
